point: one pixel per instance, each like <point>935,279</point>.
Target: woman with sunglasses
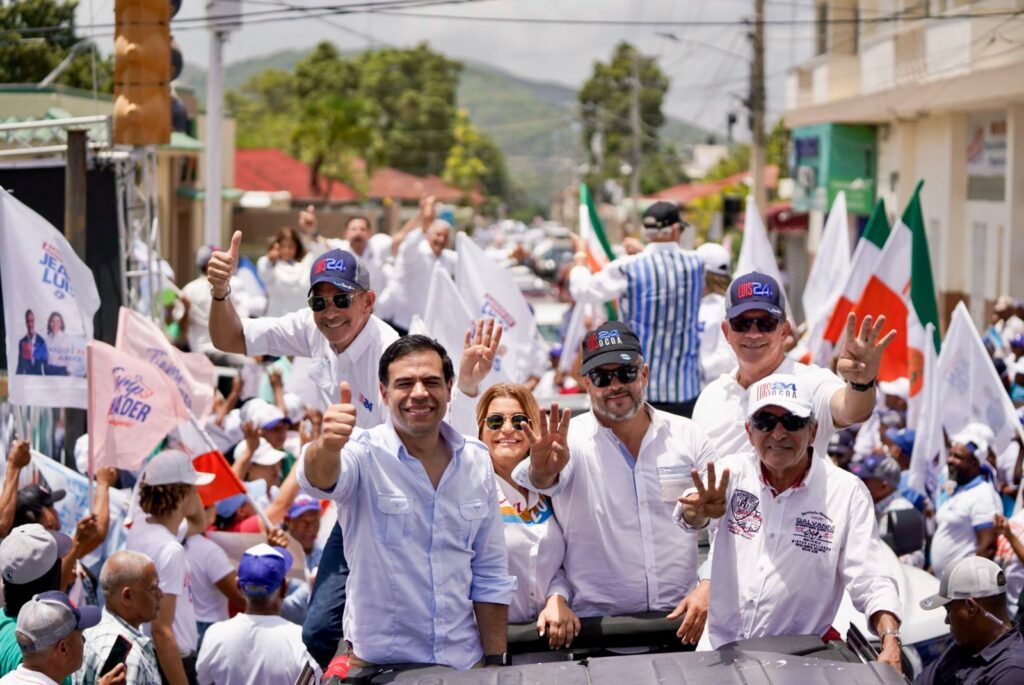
<point>534,538</point>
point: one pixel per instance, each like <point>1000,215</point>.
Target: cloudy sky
<point>701,44</point>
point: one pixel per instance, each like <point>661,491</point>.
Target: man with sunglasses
<point>756,328</point>
<point>987,647</point>
<point>794,530</point>
<point>614,495</point>
<point>344,341</point>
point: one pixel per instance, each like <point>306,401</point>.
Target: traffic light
<point>142,72</point>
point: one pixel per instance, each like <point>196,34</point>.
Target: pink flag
<point>132,407</point>
<point>192,374</point>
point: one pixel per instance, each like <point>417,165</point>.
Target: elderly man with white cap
<point>987,647</point>
<point>49,633</point>
<point>795,532</point>
<point>716,357</point>
<point>964,522</point>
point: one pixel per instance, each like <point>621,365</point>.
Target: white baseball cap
<point>295,406</point>
<point>976,435</point>
<point>717,259</point>
<point>779,390</point>
<point>266,454</point>
<point>30,551</point>
<point>174,466</point>
<point>973,577</point>
<point>899,387</point>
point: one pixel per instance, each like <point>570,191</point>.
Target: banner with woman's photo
<point>50,298</point>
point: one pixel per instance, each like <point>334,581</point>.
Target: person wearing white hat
<point>987,647</point>
<point>964,522</point>
<point>716,357</point>
<point>167,494</point>
<point>795,531</point>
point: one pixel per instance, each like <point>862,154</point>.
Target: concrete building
<point>912,89</point>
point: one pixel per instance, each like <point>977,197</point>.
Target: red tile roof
<point>271,170</point>
<point>687,192</point>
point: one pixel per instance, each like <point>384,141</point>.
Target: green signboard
<point>828,158</point>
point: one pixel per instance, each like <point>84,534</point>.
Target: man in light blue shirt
<point>428,579</point>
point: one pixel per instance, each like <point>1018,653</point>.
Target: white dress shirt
<point>296,334</point>
<point>623,553</point>
<point>972,507</point>
<point>253,650</point>
<point>418,557</point>
<point>716,355</point>
<point>721,409</point>
<point>375,256</point>
<point>287,283</point>
<point>779,563</point>
<point>408,281</point>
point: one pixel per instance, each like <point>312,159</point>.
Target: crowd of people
<point>432,510</point>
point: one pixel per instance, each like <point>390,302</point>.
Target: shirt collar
<point>881,504</point>
<point>395,446</point>
<point>361,343</point>
<point>657,423</point>
<point>978,480</point>
<point>804,481</point>
<point>662,247</point>
<point>135,633</point>
<point>1001,644</point>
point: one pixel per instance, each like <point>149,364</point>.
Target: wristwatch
<point>220,299</point>
<point>502,659</point>
<point>862,387</point>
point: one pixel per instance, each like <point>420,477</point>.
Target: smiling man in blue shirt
<point>429,579</point>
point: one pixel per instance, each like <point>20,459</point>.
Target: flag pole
<point>90,409</point>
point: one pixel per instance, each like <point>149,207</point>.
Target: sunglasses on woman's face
<point>318,303</point>
<point>625,374</point>
<point>765,422</point>
<point>496,422</point>
<point>765,324</point>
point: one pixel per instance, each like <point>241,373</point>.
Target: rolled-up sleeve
<point>462,413</point>
<point>607,284</point>
<point>280,335</point>
<point>521,475</point>
<point>491,580</point>
<point>865,566</point>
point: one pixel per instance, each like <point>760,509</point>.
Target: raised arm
<point>18,458</point>
<point>549,446</point>
<point>709,502</point>
<point>322,461</point>
<point>859,362</point>
<point>225,326</point>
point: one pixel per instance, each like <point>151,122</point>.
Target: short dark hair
<point>160,500</point>
<point>17,596</point>
<point>411,344</point>
<point>359,217</point>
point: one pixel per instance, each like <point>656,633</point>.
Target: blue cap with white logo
<point>341,269</point>
<point>752,292</point>
<point>262,569</point>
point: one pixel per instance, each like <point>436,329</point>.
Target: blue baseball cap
<point>303,504</point>
<point>902,438</point>
<point>262,569</point>
<point>754,291</point>
<point>341,269</point>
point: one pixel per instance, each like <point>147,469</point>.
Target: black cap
<point>661,215</point>
<point>37,496</point>
<point>611,343</point>
<point>754,291</point>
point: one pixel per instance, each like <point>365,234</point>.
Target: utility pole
<point>635,123</point>
<point>757,107</point>
<point>212,152</point>
<point>75,205</point>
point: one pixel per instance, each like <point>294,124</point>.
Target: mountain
<point>533,122</point>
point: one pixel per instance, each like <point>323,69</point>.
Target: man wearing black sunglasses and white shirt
<point>794,532</point>
<point>756,328</point>
<point>614,496</point>
<point>345,341</point>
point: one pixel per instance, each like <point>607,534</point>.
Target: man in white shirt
<point>358,241</point>
<point>716,357</point>
<point>615,493</point>
<point>258,646</point>
<point>345,341</point>
<point>964,522</point>
<point>794,532</point>
<point>419,508</point>
<point>756,329</point>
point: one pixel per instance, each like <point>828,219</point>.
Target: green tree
<point>464,168</point>
<point>265,109</point>
<point>333,132</point>
<point>28,56</point>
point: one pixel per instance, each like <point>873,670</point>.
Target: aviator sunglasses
<point>625,374</point>
<point>495,422</point>
<point>318,303</point>
<point>765,324</point>
<point>765,422</point>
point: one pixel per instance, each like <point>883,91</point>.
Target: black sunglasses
<point>765,422</point>
<point>765,324</point>
<point>497,421</point>
<point>318,303</point>
<point>625,374</point>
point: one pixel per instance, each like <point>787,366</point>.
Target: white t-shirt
<point>23,676</point>
<point>972,507</point>
<point>287,283</point>
<point>405,295</point>
<point>168,555</point>
<point>721,408</point>
<point>209,564</point>
<point>253,650</point>
<point>716,356</point>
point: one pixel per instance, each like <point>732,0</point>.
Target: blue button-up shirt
<point>418,558</point>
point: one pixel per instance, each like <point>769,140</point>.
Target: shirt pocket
<point>673,481</point>
<point>393,513</point>
<point>471,514</point>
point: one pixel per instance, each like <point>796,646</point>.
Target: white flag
<point>927,460</point>
<point>828,276</point>
<point>969,388</point>
<point>50,299</point>
<point>490,290</point>
<point>757,253</point>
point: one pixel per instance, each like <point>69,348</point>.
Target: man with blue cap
<point>258,646</point>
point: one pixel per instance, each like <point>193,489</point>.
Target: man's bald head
<point>131,587</point>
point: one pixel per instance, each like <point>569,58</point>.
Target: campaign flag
<point>133,405</point>
<point>825,282</point>
<point>927,460</point>
<point>865,257</point>
<point>756,251</point>
<point>599,250</point>
<point>490,291</point>
<point>50,299</point>
<point>193,441</point>
<point>141,338</point>
<point>923,306</point>
<point>969,389</point>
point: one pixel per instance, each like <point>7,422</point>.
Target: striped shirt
<point>141,662</point>
<point>659,293</point>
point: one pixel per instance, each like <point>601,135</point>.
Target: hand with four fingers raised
<point>861,355</point>
<point>481,349</point>
<point>709,502</point>
<point>549,446</point>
